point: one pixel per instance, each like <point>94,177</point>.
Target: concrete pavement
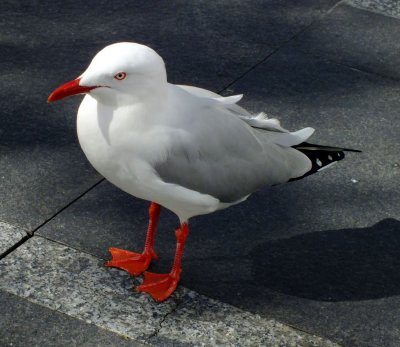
<point>296,265</point>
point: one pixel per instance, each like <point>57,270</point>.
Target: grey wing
<point>222,156</point>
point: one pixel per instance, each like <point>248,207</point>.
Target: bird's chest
<point>116,148</point>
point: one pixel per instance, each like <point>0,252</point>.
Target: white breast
<point>112,152</point>
<point>123,149</point>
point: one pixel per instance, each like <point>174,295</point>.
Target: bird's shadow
<point>334,265</point>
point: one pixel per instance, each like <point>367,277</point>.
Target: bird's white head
<point>120,73</point>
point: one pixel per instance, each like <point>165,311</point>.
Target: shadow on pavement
<point>334,265</point>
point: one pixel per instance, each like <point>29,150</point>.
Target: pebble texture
<point>24,323</point>
<point>208,322</point>
<point>9,236</point>
<point>386,7</point>
<point>75,283</point>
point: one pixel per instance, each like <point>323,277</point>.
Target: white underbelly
<point>126,164</point>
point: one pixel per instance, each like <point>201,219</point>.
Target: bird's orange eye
<point>120,76</point>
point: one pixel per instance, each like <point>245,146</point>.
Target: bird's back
<point>215,152</point>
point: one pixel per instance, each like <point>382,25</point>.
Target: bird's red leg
<point>161,286</point>
<point>136,263</point>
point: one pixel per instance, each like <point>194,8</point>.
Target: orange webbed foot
<point>159,286</point>
<point>133,263</point>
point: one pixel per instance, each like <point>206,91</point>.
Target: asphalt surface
<point>320,254</point>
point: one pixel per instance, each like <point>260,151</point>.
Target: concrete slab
<point>46,44</point>
<point>342,220</point>
<point>74,283</point>
<point>333,224</point>
<point>188,36</point>
<point>361,39</point>
<point>206,322</point>
<point>9,236</point>
<point>77,284</point>
<point>386,7</point>
<point>24,323</point>
<point>108,217</point>
<point>346,219</point>
<point>43,168</point>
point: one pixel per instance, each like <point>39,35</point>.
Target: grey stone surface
<point>206,322</point>
<point>361,39</point>
<point>76,284</point>
<point>46,43</point>
<point>386,7</point>
<point>42,166</point>
<point>336,270</point>
<point>24,323</point>
<point>318,253</point>
<point>220,39</point>
<point>9,236</point>
<point>107,217</point>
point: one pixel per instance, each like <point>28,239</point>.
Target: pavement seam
<point>31,233</point>
<point>161,323</point>
<point>322,56</point>
<point>357,69</point>
<point>323,338</point>
<point>16,245</point>
<point>70,246</point>
<point>69,316</point>
<point>319,18</point>
<point>358,7</point>
<point>282,45</point>
<point>178,302</point>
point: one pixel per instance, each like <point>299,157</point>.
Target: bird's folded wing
<point>260,120</point>
<point>218,154</point>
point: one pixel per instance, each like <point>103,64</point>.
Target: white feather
<point>186,148</point>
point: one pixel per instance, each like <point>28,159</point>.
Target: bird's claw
<point>159,286</point>
<point>133,263</point>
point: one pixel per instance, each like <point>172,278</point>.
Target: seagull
<point>185,148</point>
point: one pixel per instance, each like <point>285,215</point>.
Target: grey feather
<point>217,153</point>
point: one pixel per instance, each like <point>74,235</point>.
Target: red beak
<point>68,89</point>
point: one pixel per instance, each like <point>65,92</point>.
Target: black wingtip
<point>321,156</point>
<point>312,147</point>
